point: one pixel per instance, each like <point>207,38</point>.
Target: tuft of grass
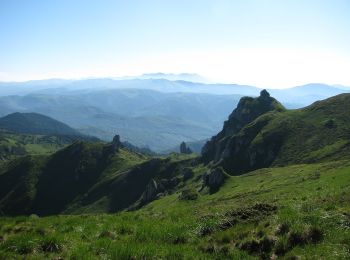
<point>51,244</point>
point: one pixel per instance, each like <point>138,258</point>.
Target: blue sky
<point>268,43</point>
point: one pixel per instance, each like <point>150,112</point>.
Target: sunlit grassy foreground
<point>300,210</point>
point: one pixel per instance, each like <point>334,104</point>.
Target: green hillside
<point>274,183</point>
<point>34,134</point>
<point>319,132</point>
<point>30,184</point>
<point>13,145</point>
<point>90,178</point>
<point>34,123</point>
<point>290,212</point>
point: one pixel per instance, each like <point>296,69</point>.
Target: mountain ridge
<point>248,109</point>
<point>318,132</point>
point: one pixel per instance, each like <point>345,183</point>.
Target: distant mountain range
<point>170,83</point>
<point>192,77</point>
<point>147,111</point>
<point>144,118</point>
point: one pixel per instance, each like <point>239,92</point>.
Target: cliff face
<point>248,109</point>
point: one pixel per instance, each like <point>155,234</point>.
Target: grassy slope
<point>312,197</point>
<point>320,132</point>
<point>32,183</point>
<point>13,145</point>
<point>84,178</point>
<point>34,123</point>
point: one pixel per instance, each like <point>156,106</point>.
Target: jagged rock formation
<point>151,191</point>
<point>248,109</point>
<point>214,179</point>
<point>116,144</point>
<point>157,188</point>
<point>184,149</point>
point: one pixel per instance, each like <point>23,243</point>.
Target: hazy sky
<point>267,43</point>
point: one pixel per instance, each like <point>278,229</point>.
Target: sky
<point>265,43</point>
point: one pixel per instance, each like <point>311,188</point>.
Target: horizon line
<point>136,77</point>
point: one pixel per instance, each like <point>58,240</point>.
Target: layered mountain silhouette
<point>96,177</point>
<point>148,111</point>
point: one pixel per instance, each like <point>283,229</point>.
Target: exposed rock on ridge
<point>248,109</point>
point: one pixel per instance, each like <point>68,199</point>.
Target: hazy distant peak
<point>172,76</point>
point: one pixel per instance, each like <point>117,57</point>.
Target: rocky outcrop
<point>214,179</point>
<point>152,189</point>
<point>169,184</point>
<point>157,188</point>
<point>116,144</point>
<point>252,149</point>
<point>224,145</point>
<point>184,149</point>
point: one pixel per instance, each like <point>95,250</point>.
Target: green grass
<point>15,145</point>
<point>311,220</point>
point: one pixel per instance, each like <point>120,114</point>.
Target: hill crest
<point>319,132</point>
<point>34,123</point>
